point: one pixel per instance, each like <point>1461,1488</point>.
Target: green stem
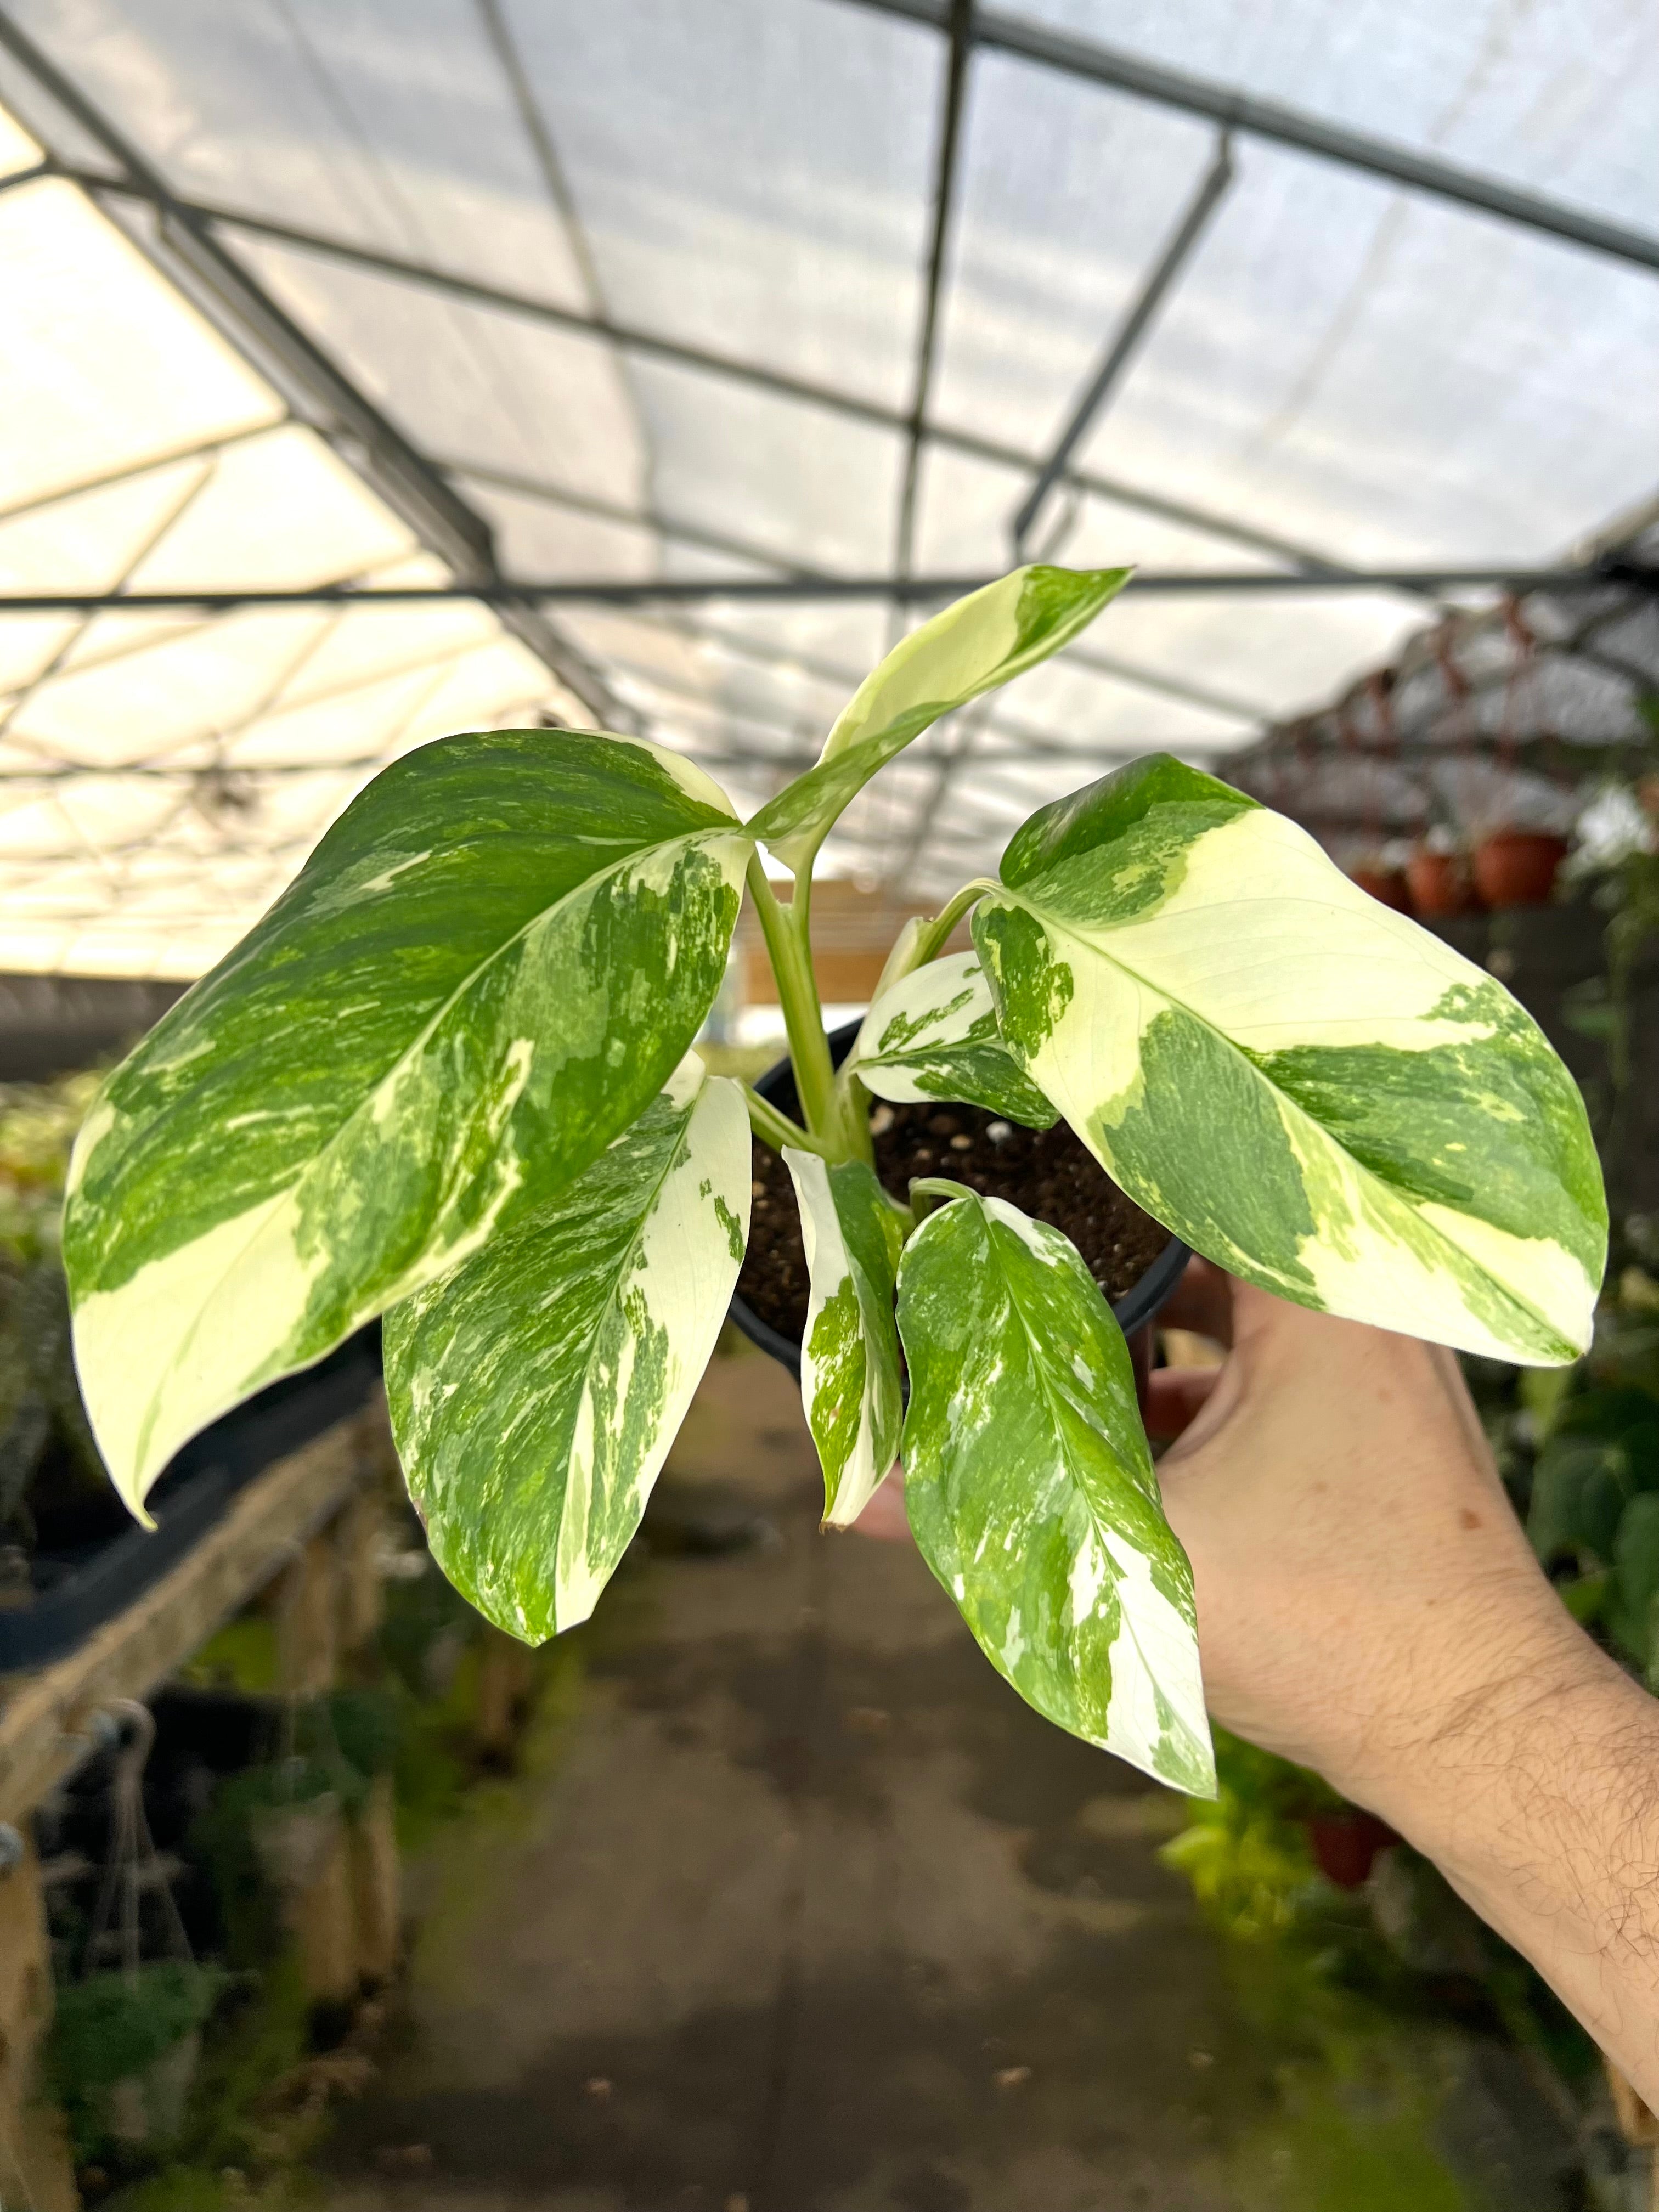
<point>791,955</point>
<point>919,942</point>
<point>777,1129</point>
<point>936,933</point>
<point>928,1193</point>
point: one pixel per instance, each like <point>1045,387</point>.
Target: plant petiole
<point>776,1128</point>
<point>920,941</point>
<point>929,1191</point>
<point>832,1110</point>
<point>797,994</point>
<point>935,934</point>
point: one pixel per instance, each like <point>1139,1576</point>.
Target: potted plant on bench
<point>447,1078</point>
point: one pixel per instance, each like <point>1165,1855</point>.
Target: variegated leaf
<point>535,1391</point>
<point>1031,1491</point>
<point>849,1369</point>
<point>489,966</point>
<point>978,643</point>
<point>1307,1087</point>
<point>934,1035</point>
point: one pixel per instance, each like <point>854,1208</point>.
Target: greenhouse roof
<point>686,352</point>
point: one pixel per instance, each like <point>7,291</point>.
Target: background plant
<point>40,1404</point>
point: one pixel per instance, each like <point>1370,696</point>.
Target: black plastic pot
<point>1134,1312</point>
<point>75,1592</point>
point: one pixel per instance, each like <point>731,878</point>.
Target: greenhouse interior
<point>828,1106</point>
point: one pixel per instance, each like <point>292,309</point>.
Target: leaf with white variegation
<point>1031,1491</point>
<point>1304,1086</point>
<point>849,1368</point>
<point>535,1391</point>
<point>975,644</point>
<point>934,1035</point>
<point>488,968</point>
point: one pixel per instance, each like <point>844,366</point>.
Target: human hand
<point>1364,1588</point>
<point>1368,1605</point>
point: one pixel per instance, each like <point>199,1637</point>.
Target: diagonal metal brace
<point>1135,325</point>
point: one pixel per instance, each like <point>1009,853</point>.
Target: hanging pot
<point>1518,867</point>
<point>293,1842</point>
<point>146,2109</point>
<point>1388,886</point>
<point>1438,883</point>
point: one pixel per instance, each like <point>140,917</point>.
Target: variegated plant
<point>449,1079</point>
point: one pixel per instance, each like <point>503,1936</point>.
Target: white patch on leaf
<point>94,1129</point>
<point>695,782</point>
<point>185,1338</point>
<point>1266,941</point>
<point>1154,1650</point>
<point>387,877</point>
<point>681,1271</point>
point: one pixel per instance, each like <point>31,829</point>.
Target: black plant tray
<point>75,1592</point>
<point>1133,1312</point>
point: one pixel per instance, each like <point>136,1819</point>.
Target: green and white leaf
<point>488,968</point>
<point>1305,1086</point>
<point>535,1391</point>
<point>1031,1491</point>
<point>975,644</point>
<point>849,1367</point>
<point>934,1035</point>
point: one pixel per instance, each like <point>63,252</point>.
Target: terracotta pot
<point>1518,867</point>
<point>1439,885</point>
<point>1386,886</point>
<point>1346,1844</point>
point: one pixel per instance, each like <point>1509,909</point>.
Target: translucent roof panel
<point>1385,378</point>
<point>1557,97</point>
<point>624,295</point>
<point>751,177</point>
<point>470,384</point>
<point>162,775</point>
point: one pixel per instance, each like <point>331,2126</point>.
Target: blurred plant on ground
<point>43,1425</point>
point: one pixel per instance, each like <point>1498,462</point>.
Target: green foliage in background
<point>39,1397</point>
<point>113,2025</point>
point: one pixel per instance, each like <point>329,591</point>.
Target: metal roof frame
<point>187,238</point>
<point>318,392</point>
<point>629,338</point>
<point>673,591</point>
<point>945,187</point>
<point>1212,188</point>
<point>1270,119</point>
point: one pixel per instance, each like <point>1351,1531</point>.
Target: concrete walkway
<point>805,1912</point>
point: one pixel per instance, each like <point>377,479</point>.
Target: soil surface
<point>1046,1173</point>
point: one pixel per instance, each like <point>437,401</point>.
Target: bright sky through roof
<point>1344,371</point>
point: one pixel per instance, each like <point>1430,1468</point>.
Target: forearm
<point>1539,1800</point>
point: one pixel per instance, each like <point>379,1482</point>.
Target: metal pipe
<point>955,87</point>
<point>1280,125</point>
<point>680,591</point>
